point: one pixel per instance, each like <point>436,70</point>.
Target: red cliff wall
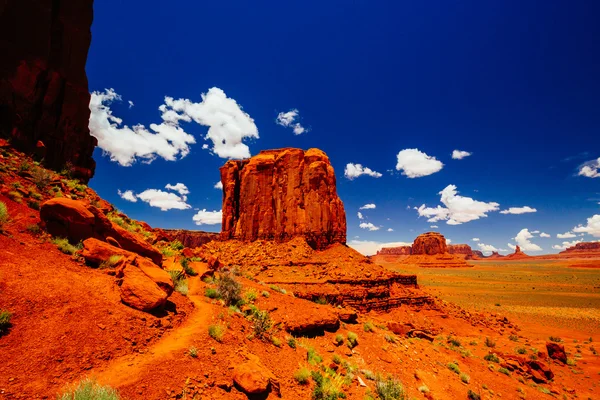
<point>430,243</point>
<point>280,194</point>
<point>43,85</point>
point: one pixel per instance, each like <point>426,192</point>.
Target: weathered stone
<point>68,218</point>
<point>96,251</point>
<point>191,239</point>
<point>430,243</point>
<point>395,251</point>
<point>281,194</point>
<point>139,291</point>
<point>557,352</point>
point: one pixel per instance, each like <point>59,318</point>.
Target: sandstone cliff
<point>430,243</point>
<point>191,239</point>
<point>517,254</point>
<point>463,250</point>
<point>583,249</point>
<point>280,194</point>
<point>395,251</point>
<point>43,85</point>
<point>478,254</point>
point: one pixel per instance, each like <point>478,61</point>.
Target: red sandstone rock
<point>461,249</point>
<point>280,194</point>
<point>157,274</point>
<point>191,239</point>
<point>139,291</point>
<point>253,377</point>
<point>517,254</point>
<point>557,352</point>
<point>395,251</point>
<point>495,254</point>
<point>44,92</point>
<point>478,254</point>
<point>585,249</point>
<point>430,243</point>
<point>96,251</point>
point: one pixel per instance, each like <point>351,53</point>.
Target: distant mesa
<point>430,243</point>
<point>518,254</point>
<point>281,194</point>
<point>395,251</point>
<point>44,96</point>
<point>462,250</point>
<point>495,254</point>
<point>477,254</point>
<point>191,239</point>
<point>582,250</point>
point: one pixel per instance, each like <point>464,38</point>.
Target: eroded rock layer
<point>430,243</point>
<point>281,194</point>
<point>463,250</point>
<point>43,85</point>
<point>395,251</point>
<point>585,249</point>
<point>190,239</point>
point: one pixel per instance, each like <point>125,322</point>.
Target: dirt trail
<point>127,369</point>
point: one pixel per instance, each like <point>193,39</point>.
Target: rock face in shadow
<point>585,249</point>
<point>191,239</point>
<point>280,194</point>
<point>430,243</point>
<point>462,250</point>
<point>44,96</point>
<point>395,251</point>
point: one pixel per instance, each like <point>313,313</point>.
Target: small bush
<point>454,342</point>
<point>185,264</point>
<point>41,177</point>
<point>491,357</point>
<point>390,339</point>
<point>489,342</point>
<point>555,339</point>
<point>465,378</point>
<point>473,396</point>
<point>368,327</point>
<point>217,332</point>
<point>167,252</point>
<point>571,362</point>
<point>337,359</point>
<point>313,357</point>
<point>66,247</point>
<point>177,245</point>
<point>389,389</point>
<point>265,293</point>
<point>276,342</point>
<point>251,296</point>
<point>291,342</point>
<point>16,185</point>
<point>368,374</point>
<point>3,215</point>
<point>15,196</point>
<point>504,371</point>
<point>454,368</point>
<point>230,290</point>
<point>339,339</point>
<point>301,376</point>
<point>521,350</point>
<point>34,229</point>
<point>261,323</point>
<point>211,293</point>
<point>36,196</point>
<point>193,352</point>
<point>5,317</point>
<point>321,300</point>
<point>352,340</point>
<point>88,389</point>
<point>423,389</point>
<point>325,388</point>
<point>179,281</point>
<point>514,338</point>
<point>111,262</point>
<point>33,204</point>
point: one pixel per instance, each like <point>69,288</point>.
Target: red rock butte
<point>44,96</point>
<point>280,194</point>
<point>430,243</point>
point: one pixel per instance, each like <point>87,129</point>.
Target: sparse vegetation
<point>471,395</point>
<point>320,300</point>
<point>217,332</point>
<point>514,338</point>
<point>185,264</point>
<point>491,357</point>
<point>34,229</point>
<point>339,339</point>
<point>179,281</point>
<point>389,389</point>
<point>111,262</point>
<point>504,371</point>
<point>337,359</point>
<point>230,290</point>
<point>33,204</point>
<point>5,317</point>
<point>302,375</point>
<point>521,350</point>
<point>193,352</point>
<point>88,389</point>
<point>571,362</point>
<point>41,177</point>
<point>313,357</point>
<point>265,293</point>
<point>261,323</point>
<point>454,368</point>
<point>251,296</point>
<point>176,245</point>
<point>368,327</point>
<point>390,338</point>
<point>276,342</point>
<point>465,378</point>
<point>66,247</point>
<point>277,289</point>
<point>291,342</point>
<point>352,340</point>
<point>15,196</point>
<point>211,293</point>
<point>454,341</point>
<point>555,339</point>
<point>325,388</point>
<point>3,215</point>
<point>489,342</point>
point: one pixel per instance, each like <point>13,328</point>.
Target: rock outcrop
<point>478,254</point>
<point>430,243</point>
<point>281,194</point>
<point>191,239</point>
<point>585,249</point>
<point>495,254</point>
<point>517,254</point>
<point>395,251</point>
<point>44,96</point>
<point>463,250</point>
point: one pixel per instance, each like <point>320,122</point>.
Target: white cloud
<point>126,145</point>
<point>590,169</point>
<point>415,164</point>
<point>458,210</point>
<point>518,210</point>
<point>130,103</point>
<point>524,242</point>
<point>592,227</point>
<point>369,226</point>
<point>566,235</point>
<point>204,217</point>
<point>460,154</point>
<point>390,230</point>
<point>566,244</point>
<point>475,239</point>
<point>535,232</point>
<point>127,195</point>
<point>434,226</point>
<point>448,241</point>
<point>486,248</point>
<point>179,188</point>
<point>219,185</point>
<point>369,206</point>
<point>544,235</point>
<point>353,171</point>
<point>287,119</point>
<point>163,200</point>
<point>371,247</point>
<point>359,214</point>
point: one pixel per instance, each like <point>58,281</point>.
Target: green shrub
<point>390,339</point>
<point>368,374</point>
<point>66,247</point>
<point>454,342</point>
<point>489,342</point>
<point>514,338</point>
<point>265,293</point>
<point>230,290</point>
<point>251,296</point>
<point>504,371</point>
<point>185,264</point>
<point>571,362</point>
<point>276,342</point>
<point>177,245</point>
<point>301,376</point>
<point>167,252</point>
<point>454,368</point>
<point>368,327</point>
<point>34,229</point>
<point>88,389</point>
<point>3,215</point>
<point>521,350</point>
<point>555,339</point>
<point>211,293</point>
<point>423,389</point>
<point>261,323</point>
<point>16,185</point>
<point>15,196</point>
<point>291,342</point>
<point>41,177</point>
<point>465,378</point>
<point>471,395</point>
<point>33,204</point>
<point>320,300</point>
<point>325,388</point>
<point>339,339</point>
<point>111,262</point>
<point>179,281</point>
<point>36,196</point>
<point>5,317</point>
<point>313,357</point>
<point>193,352</point>
<point>352,340</point>
<point>491,357</point>
<point>389,389</point>
<point>217,332</point>
<point>337,359</point>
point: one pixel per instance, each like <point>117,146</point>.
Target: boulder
<point>557,352</point>
<point>139,291</point>
<point>68,218</point>
<point>134,243</point>
<point>430,243</point>
<point>44,95</point>
<point>157,274</point>
<point>253,377</point>
<point>540,372</point>
<point>280,194</point>
<point>96,251</point>
<point>311,319</point>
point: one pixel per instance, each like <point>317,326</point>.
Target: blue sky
<point>514,83</point>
